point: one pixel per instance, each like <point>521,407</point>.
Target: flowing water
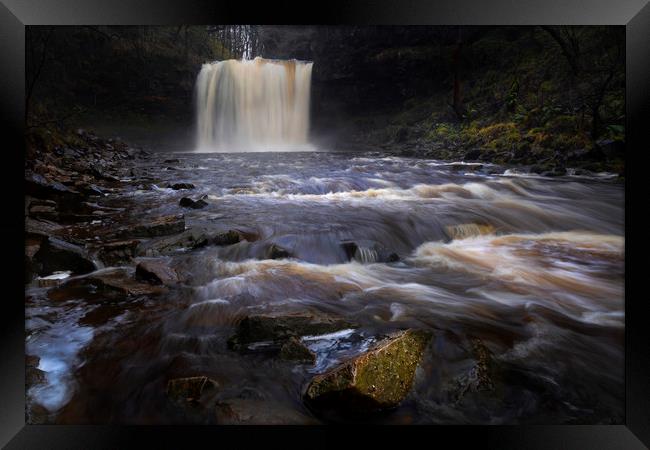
<point>532,266</point>
<point>253,105</point>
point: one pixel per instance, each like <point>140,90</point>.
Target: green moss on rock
<point>376,380</point>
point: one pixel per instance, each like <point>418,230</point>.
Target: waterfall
<point>253,105</point>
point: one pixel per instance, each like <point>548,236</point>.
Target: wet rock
<point>376,380</point>
<point>180,186</point>
<point>244,411</point>
<point>41,228</point>
<point>187,202</point>
<point>33,375</point>
<point>53,280</point>
<point>280,328</point>
<point>172,161</point>
<point>46,255</point>
<point>187,240</point>
<point>295,350</point>
<point>44,212</point>
<point>156,271</point>
<point>118,252</point>
<point>189,389</point>
<point>276,252</point>
<point>90,189</point>
<point>161,226</point>
<point>227,238</point>
<point>480,378</point>
<point>34,203</point>
<point>39,186</point>
<point>38,415</point>
<point>104,283</point>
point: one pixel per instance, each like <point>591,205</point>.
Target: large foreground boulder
<point>376,380</point>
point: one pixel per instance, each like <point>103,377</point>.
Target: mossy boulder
<point>376,380</point>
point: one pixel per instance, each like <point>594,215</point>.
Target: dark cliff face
<point>510,90</point>
<point>361,70</point>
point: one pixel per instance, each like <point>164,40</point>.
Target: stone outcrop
<point>373,381</point>
<point>156,271</point>
<point>280,328</point>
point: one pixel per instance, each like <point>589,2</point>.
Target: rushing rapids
<point>532,266</point>
<point>253,105</point>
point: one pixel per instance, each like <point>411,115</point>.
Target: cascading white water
<point>253,105</point>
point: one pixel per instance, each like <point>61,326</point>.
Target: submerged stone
<point>228,238</point>
<point>180,186</point>
<point>245,411</point>
<point>189,389</point>
<point>480,377</point>
<point>376,380</point>
<point>277,252</point>
<point>295,350</point>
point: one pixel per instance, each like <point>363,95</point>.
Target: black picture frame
<point>16,14</point>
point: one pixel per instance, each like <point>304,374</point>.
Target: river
<point>532,266</point>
